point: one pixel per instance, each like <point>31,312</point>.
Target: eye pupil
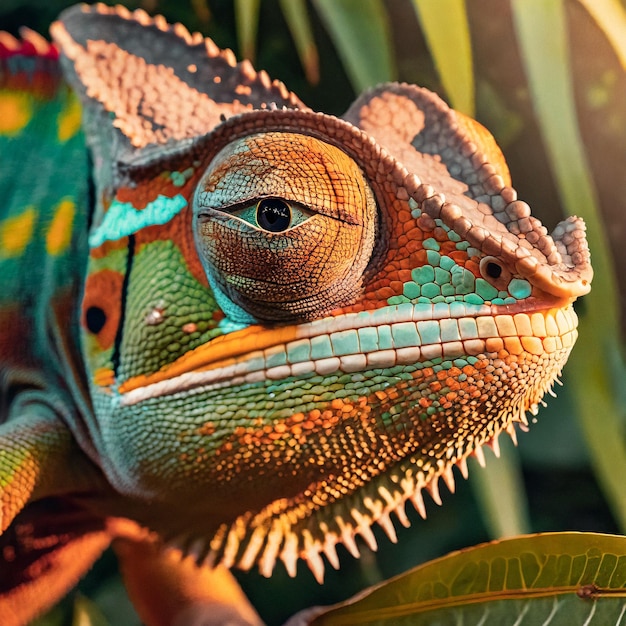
<point>273,215</point>
<point>95,319</point>
<point>494,270</point>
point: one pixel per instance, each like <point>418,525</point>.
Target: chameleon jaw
<point>265,548</point>
<point>282,532</point>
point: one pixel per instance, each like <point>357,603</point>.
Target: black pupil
<point>494,270</point>
<point>95,318</point>
<point>273,214</point>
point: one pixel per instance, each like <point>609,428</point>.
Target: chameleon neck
<point>43,226</point>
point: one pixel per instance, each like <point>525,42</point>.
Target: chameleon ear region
<point>284,225</point>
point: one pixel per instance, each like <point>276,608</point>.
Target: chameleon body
<point>241,327</point>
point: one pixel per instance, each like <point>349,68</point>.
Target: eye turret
<point>284,225</point>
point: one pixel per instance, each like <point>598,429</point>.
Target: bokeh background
<point>548,78</point>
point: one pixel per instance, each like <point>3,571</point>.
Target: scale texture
<point>239,330</point>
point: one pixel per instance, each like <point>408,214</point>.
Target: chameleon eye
<point>284,225</point>
<point>273,214</point>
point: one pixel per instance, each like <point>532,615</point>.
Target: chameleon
<point>235,331</point>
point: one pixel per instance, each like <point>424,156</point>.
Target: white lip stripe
<point>255,367</point>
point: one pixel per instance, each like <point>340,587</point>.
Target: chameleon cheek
<point>102,307</point>
<point>284,225</point>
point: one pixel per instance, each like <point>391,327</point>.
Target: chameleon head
<point>295,322</point>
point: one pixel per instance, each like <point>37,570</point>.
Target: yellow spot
<point>69,119</point>
<point>16,111</point>
<point>16,232</point>
<point>60,231</point>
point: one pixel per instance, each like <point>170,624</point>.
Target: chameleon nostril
<point>493,270</point>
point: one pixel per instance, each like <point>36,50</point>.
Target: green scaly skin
<point>269,328</point>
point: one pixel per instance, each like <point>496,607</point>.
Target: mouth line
<point>397,335</point>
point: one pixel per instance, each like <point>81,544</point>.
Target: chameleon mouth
<point>311,524</point>
<point>395,335</point>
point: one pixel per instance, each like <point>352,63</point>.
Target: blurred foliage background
<point>548,78</point>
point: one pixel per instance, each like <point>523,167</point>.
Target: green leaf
<point>247,21</point>
<point>446,29</point>
<point>54,617</point>
<point>499,490</point>
<point>297,18</point>
<point>360,31</point>
<point>610,16</point>
<point>596,369</point>
<point>554,578</point>
<point>86,613</point>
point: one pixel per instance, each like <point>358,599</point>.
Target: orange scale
<point>473,267</point>
<point>405,264</point>
<point>385,292</point>
<point>440,234</point>
<point>420,258</point>
<point>402,241</point>
<point>404,216</point>
<point>405,273</point>
<point>447,247</point>
<point>415,234</point>
<point>397,286</point>
<point>107,247</point>
<point>413,246</point>
<point>459,256</point>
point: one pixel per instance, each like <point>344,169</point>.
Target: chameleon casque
<point>240,327</point>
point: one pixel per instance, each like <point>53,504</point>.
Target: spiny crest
<point>201,81</point>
